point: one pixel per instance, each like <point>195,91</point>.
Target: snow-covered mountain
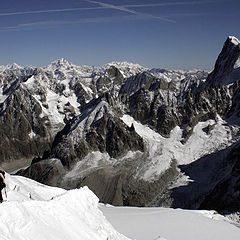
<point>35,211</point>
<point>36,103</point>
<point>135,136</point>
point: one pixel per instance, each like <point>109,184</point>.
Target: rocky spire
<point>227,66</point>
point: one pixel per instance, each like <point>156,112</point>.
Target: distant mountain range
<point>136,136</point>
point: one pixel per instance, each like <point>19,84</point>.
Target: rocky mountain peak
<point>13,66</point>
<point>16,69</point>
<point>227,66</point>
<point>61,63</point>
<point>128,69</point>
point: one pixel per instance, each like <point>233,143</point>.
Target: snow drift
<point>67,215</point>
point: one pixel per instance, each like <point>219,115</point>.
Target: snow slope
<point>34,211</point>
<point>28,214</point>
<point>170,224</point>
<point>22,189</point>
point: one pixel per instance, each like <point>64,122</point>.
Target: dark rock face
<point>151,101</point>
<point>113,185</point>
<point>158,104</point>
<point>225,197</point>
<point>23,134</point>
<point>48,172</point>
<point>118,187</point>
<point>227,67</point>
<point>204,174</point>
<point>105,134</point>
<point>82,96</point>
<point>114,137</point>
<point>110,82</point>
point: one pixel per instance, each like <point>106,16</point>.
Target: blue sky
<point>155,33</point>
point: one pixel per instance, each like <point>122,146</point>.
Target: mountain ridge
<point>123,130</point>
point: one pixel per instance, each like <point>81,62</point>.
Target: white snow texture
<point>37,212</point>
<point>34,211</point>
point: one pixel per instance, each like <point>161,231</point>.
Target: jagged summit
<point>227,67</point>
<point>59,63</point>
<point>12,66</point>
<point>62,61</point>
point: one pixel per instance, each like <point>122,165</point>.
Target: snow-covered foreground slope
<point>21,189</point>
<point>72,215</point>
<point>35,211</point>
<point>170,224</point>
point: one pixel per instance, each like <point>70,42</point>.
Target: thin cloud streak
<point>107,6</point>
<point>40,24</point>
<point>50,11</point>
<point>165,4</point>
<point>124,9</point>
<point>187,14</point>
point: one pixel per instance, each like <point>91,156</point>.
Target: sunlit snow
<point>32,211</point>
<point>163,150</point>
<point>37,212</point>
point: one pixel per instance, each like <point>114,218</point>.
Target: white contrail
<point>50,11</point>
<point>124,9</point>
<point>107,6</point>
<point>36,25</point>
<point>165,4</point>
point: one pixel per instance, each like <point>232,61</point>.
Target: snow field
<point>67,215</point>
<point>170,224</point>
<point>34,211</point>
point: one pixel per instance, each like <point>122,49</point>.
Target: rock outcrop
<point>227,66</point>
